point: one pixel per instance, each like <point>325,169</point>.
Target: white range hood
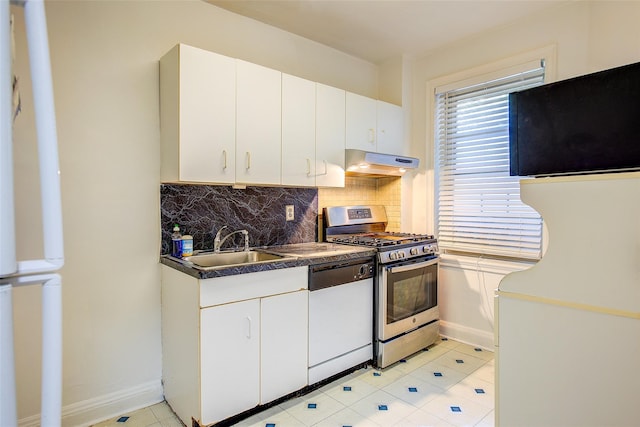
<point>359,162</point>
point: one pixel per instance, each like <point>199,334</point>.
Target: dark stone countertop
<point>297,255</point>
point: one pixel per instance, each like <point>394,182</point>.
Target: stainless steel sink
<point>226,259</point>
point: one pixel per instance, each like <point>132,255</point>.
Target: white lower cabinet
<point>234,342</point>
<point>229,359</point>
<point>284,332</point>
<point>252,352</point>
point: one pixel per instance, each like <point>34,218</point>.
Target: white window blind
<point>478,204</point>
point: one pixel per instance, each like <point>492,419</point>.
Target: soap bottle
<point>187,245</point>
<point>176,242</point>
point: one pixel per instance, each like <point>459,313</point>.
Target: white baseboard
<point>467,335</point>
<point>104,407</point>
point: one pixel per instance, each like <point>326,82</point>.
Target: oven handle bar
<point>401,268</point>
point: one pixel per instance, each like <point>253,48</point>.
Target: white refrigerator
<point>568,329</point>
<point>39,272</point>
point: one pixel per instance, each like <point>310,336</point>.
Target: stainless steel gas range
<point>406,284</point>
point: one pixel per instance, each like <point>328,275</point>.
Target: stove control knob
<point>413,251</point>
<point>362,270</point>
<point>401,254</point>
<point>393,256</point>
<point>429,249</point>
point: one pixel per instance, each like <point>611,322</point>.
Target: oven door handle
<point>401,268</point>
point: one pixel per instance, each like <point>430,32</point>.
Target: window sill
<point>484,263</point>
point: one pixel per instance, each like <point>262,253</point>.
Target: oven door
<point>407,296</point>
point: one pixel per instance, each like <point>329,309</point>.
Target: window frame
<point>469,77</point>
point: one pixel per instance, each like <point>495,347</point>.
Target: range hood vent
<point>360,162</point>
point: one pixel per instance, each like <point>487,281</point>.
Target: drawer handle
<point>325,167</point>
<point>308,167</point>
<point>224,154</point>
<point>248,160</point>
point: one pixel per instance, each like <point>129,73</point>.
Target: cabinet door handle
<point>224,154</point>
<point>308,167</point>
<point>248,161</point>
<point>325,167</point>
<point>248,334</point>
<point>372,136</point>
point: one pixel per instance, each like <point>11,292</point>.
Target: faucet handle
<point>216,240</point>
<point>246,240</point>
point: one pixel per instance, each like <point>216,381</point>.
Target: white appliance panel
<point>340,320</point>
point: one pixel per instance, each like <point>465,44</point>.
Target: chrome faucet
<point>217,243</point>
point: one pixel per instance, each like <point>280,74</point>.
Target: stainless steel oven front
<point>407,308</point>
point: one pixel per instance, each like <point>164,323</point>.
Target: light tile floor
<point>450,384</point>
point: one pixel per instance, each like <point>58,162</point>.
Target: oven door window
<point>410,291</point>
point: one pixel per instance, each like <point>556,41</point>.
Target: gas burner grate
<point>379,240</point>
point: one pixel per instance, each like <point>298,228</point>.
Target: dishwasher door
<point>340,328</point>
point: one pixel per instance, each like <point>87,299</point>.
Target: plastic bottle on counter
<point>176,242</point>
<point>187,245</point>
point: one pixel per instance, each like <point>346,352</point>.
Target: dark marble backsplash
<point>201,210</point>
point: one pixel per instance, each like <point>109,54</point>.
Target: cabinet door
<point>390,137</point>
<point>298,131</point>
<point>229,359</point>
<point>330,129</point>
<point>284,344</point>
<point>258,126</point>
<point>361,122</point>
<point>197,116</point>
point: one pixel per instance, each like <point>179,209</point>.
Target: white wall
<point>466,297</point>
<point>588,37</point>
<point>105,73</point>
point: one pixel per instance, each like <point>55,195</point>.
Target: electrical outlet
<point>289,213</point>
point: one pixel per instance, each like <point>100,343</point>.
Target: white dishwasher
<point>340,316</point>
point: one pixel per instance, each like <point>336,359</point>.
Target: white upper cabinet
<point>197,112</point>
<point>330,136</point>
<point>374,125</point>
<point>226,121</point>
<point>298,131</point>
<point>361,122</point>
<point>258,124</point>
<point>390,130</point>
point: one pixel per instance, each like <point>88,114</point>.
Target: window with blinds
<point>478,203</point>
